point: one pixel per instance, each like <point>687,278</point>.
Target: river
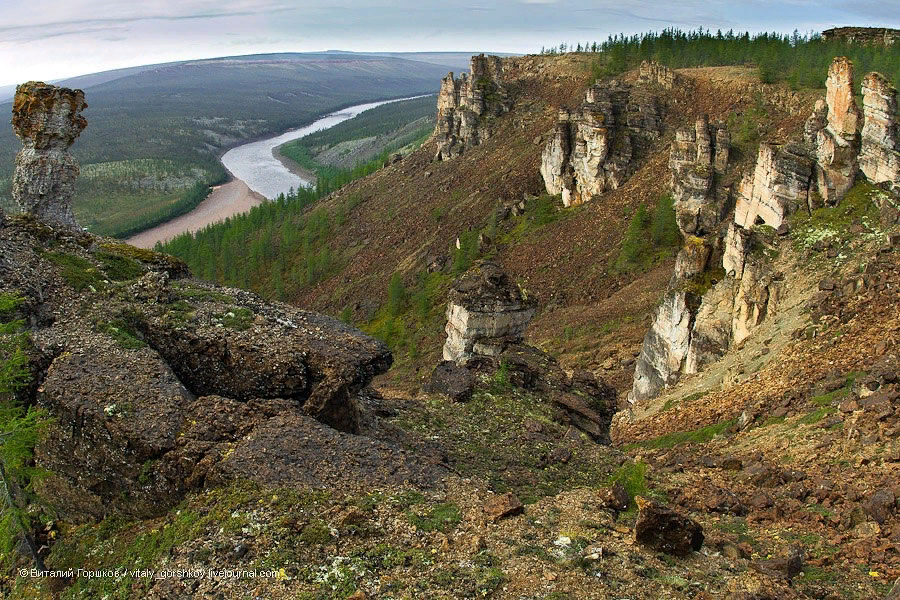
<point>258,174</point>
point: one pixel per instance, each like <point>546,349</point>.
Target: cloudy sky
<point>52,39</point>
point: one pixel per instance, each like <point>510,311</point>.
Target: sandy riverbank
<point>225,200</point>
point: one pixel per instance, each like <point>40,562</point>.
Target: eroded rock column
<point>837,144</point>
<point>47,119</point>
<point>880,156</point>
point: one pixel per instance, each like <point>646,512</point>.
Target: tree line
<point>800,60</point>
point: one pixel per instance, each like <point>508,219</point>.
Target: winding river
<point>258,174</point>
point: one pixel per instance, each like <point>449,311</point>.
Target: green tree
<point>634,244</point>
<point>20,428</point>
<point>396,295</point>
<point>664,227</point>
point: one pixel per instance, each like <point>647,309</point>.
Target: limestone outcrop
<point>880,36</point>
<point>464,104</point>
<point>653,72</point>
<point>696,155</point>
<point>47,119</point>
<point>594,148</point>
<point>837,143</point>
<point>711,305</point>
<point>879,158</point>
<point>486,313</point>
<point>778,186</point>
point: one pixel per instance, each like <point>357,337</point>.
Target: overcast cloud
<point>52,39</point>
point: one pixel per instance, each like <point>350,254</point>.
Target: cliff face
<point>697,154</point>
<point>697,323</point>
<point>465,104</point>
<point>879,159</point>
<point>863,35</point>
<point>837,144</point>
<point>778,186</point>
<point>594,148</point>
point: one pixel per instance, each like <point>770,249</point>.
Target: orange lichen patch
<point>34,107</point>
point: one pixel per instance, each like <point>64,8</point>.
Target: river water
<point>257,174</point>
<point>255,163</point>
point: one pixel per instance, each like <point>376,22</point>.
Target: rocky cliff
<point>159,385</point>
<point>595,148</point>
<point>879,159</point>
<point>725,285</point>
<point>465,106</point>
<point>863,35</point>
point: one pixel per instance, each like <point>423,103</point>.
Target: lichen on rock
<point>47,119</point>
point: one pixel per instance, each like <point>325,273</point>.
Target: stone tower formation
<point>47,119</point>
<point>696,324</point>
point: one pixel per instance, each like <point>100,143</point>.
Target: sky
<point>53,39</point>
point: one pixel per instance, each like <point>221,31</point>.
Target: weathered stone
<point>501,506</point>
<point>651,72</point>
<point>693,160</point>
<point>837,144</point>
<point>592,149</point>
<point>578,413</point>
<point>556,168</point>
<point>787,566</point>
<point>881,505</point>
<point>815,123</point>
<point>879,36</point>
<point>880,155</point>
<point>664,530</point>
<point>778,187</point>
<point>452,380</point>
<point>284,355</point>
<point>614,497</point>
<point>47,119</point>
<point>665,348</point>
<point>463,102</point>
<point>487,312</point>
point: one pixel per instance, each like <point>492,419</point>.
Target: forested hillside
<point>797,59</point>
<point>382,129</point>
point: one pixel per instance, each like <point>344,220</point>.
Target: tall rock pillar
<point>837,144</point>
<point>47,119</point>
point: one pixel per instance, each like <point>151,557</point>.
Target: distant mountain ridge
<point>454,60</point>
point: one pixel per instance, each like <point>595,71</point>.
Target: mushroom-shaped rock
<point>47,119</point>
<point>486,313</point>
